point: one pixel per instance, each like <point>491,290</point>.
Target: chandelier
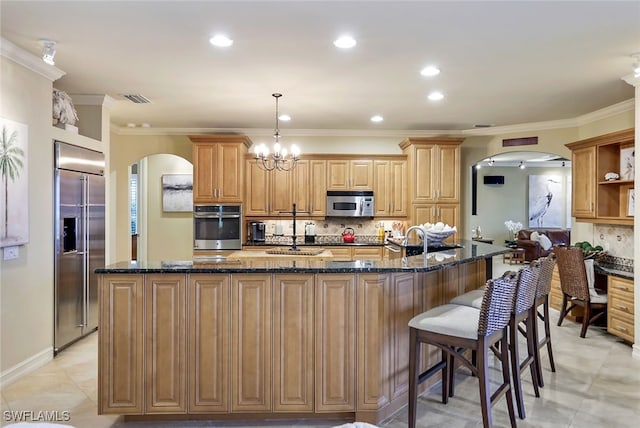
<point>281,159</point>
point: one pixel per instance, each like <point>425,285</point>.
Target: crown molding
<point>264,132</point>
<point>93,100</point>
<point>582,120</point>
<point>29,61</point>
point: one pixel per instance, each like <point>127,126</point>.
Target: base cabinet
<point>165,344</point>
<point>250,343</point>
<point>293,347</point>
<point>209,343</point>
<point>264,345</point>
<point>621,308</point>
<point>120,356</point>
<point>335,343</point>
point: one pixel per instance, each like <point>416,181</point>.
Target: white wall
<point>26,283</point>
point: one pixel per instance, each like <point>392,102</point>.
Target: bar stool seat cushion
<point>452,320</point>
<point>472,298</point>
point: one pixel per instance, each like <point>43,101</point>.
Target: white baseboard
<point>25,367</point>
<point>636,351</point>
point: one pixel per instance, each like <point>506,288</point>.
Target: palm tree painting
<point>14,226</point>
<point>546,201</point>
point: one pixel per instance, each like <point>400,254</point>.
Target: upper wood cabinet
<point>433,179</point>
<point>349,174</point>
<point>595,199</point>
<point>390,188</point>
<point>434,169</point>
<point>309,187</point>
<point>583,170</point>
<point>218,163</point>
<point>267,193</point>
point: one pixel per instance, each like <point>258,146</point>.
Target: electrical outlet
<point>10,253</point>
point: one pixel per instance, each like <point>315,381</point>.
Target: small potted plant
<point>513,228</point>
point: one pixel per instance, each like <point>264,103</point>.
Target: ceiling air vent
<point>137,98</point>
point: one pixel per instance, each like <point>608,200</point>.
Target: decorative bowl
<point>434,237</point>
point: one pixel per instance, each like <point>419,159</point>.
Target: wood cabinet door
<point>424,213</point>
<point>583,182</point>
<point>209,345</point>
<point>399,190</point>
<point>341,254</point>
<point>335,313</point>
<point>449,214</point>
<point>382,188</point>
<point>229,172</point>
<point>293,347</point>
<point>317,188</point>
<point>424,167</point>
<point>120,347</point>
<point>301,186</point>
<point>373,333</point>
<point>281,193</point>
<point>204,175</point>
<point>402,307</point>
<point>337,174</point>
<point>448,174</point>
<point>165,348</point>
<point>361,175</point>
<point>367,253</point>
<point>256,200</point>
<point>251,343</point>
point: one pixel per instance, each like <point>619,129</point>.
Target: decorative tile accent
<point>616,240</point>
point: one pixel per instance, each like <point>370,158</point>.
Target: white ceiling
<point>503,63</point>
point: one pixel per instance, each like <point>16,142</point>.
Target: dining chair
<point>575,288</point>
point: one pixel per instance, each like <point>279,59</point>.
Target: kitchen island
<point>270,339</point>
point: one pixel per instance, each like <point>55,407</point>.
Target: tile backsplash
<point>329,227</point>
<point>616,240</point>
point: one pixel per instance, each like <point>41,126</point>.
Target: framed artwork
<point>14,189</point>
<point>627,163</point>
<point>631,203</point>
<point>546,201</point>
<point>177,193</point>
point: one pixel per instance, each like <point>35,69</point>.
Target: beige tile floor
<point>597,384</point>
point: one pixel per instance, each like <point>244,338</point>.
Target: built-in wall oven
<point>217,227</point>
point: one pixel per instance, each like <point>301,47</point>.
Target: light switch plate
<point>10,253</point>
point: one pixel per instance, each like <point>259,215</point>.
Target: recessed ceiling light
<point>344,42</point>
<point>221,41</point>
<point>145,125</point>
<point>430,71</point>
<point>436,96</point>
<point>377,118</point>
<point>284,117</point>
<point>131,125</point>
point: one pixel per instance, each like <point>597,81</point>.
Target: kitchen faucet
<point>424,240</point>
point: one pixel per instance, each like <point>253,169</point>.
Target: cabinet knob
<point>622,308</point>
<point>624,329</point>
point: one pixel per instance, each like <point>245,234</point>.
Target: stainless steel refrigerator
<point>79,240</point>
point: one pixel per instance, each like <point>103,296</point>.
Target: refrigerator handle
<point>85,253</point>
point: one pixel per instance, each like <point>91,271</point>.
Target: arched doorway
<point>158,231</point>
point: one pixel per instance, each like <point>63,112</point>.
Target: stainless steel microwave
<point>349,203</point>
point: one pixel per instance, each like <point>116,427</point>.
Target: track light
<point>490,161</point>
<point>48,51</point>
<point>478,166</point>
<point>522,165</point>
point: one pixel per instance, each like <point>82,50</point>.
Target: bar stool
<point>547,265</point>
<point>454,329</point>
<point>528,279</point>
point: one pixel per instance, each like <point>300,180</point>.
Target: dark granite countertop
<point>613,270</point>
<point>468,251</point>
